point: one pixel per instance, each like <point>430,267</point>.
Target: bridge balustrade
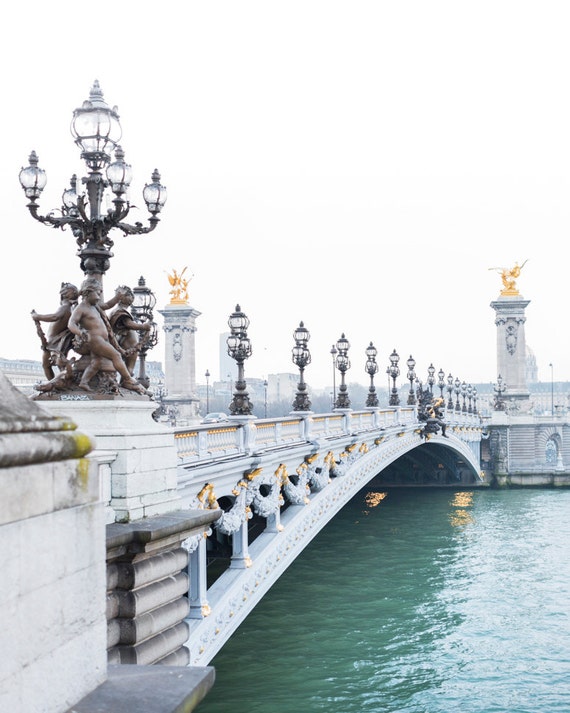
<point>213,441</point>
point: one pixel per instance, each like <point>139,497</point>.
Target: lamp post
<point>450,391</point>
<point>371,369</point>
<point>334,352</point>
<point>499,389</point>
<point>301,357</point>
<point>394,372</point>
<point>160,393</point>
<point>97,132</point>
<point>431,377</point>
<point>474,400</point>
<point>265,398</point>
<point>239,349</point>
<point>343,365</point>
<point>551,388</point>
<point>470,398</point>
<point>441,382</point>
<point>207,375</point>
<point>411,363</point>
<point>463,395</point>
<point>142,309</point>
<point>457,385</point>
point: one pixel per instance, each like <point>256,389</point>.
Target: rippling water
<point>431,601</point>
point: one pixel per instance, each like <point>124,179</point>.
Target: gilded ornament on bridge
<point>509,277</point>
<point>179,291</point>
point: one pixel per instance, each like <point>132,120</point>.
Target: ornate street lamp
<point>371,369</point>
<point>470,398</point>
<point>207,375</point>
<point>411,363</point>
<point>265,385</point>
<point>457,385</point>
<point>301,358</point>
<point>393,372</point>
<point>97,132</point>
<point>160,393</point>
<point>343,365</point>
<point>239,349</point>
<point>464,394</point>
<point>474,400</point>
<point>431,377</point>
<point>450,391</point>
<point>142,309</point>
<point>499,389</point>
<point>334,352</point>
<point>441,382</point>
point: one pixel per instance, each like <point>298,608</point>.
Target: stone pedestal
<point>139,454</point>
<point>511,347</point>
<point>180,361</point>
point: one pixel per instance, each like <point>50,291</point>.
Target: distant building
<point>228,367</point>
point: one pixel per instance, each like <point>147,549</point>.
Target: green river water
<point>425,601</point>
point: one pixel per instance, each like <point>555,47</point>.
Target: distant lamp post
<point>431,377</point>
<point>334,352</point>
<point>301,357</point>
<point>499,390</point>
<point>441,382</point>
<point>371,369</point>
<point>142,310</point>
<point>474,400</point>
<point>457,385</point>
<point>265,398</point>
<point>551,388</point>
<point>393,373</point>
<point>239,349</point>
<point>343,365</point>
<point>450,391</point>
<point>464,395</point>
<point>160,393</point>
<point>207,375</point>
<point>469,398</point>
<point>97,131</point>
<point>411,363</point>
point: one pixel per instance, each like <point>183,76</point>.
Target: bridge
<point>278,482</point>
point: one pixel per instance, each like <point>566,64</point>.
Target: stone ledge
<point>139,533</point>
<point>152,689</point>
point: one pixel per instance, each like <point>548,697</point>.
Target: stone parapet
<point>147,587</point>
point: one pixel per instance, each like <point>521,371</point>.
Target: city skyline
<point>364,170</point>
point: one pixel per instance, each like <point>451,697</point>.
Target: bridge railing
<point>244,435</point>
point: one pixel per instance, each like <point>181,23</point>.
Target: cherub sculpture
<point>95,338</point>
<point>125,327</point>
<point>59,339</point>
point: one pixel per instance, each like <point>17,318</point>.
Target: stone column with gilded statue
<point>181,399</point>
<point>511,343</point>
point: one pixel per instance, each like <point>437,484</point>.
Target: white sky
<point>356,165</point>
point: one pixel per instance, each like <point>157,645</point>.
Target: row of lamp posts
<point>239,349</point>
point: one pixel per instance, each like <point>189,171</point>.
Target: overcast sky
<point>359,166</point>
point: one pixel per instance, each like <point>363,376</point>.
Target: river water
<point>422,601</point>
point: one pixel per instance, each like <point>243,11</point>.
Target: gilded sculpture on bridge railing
<point>509,277</point>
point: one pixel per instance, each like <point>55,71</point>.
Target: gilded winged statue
<point>509,277</point>
<point>179,289</point>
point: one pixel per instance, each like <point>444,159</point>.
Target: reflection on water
<point>461,517</point>
<point>435,602</point>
